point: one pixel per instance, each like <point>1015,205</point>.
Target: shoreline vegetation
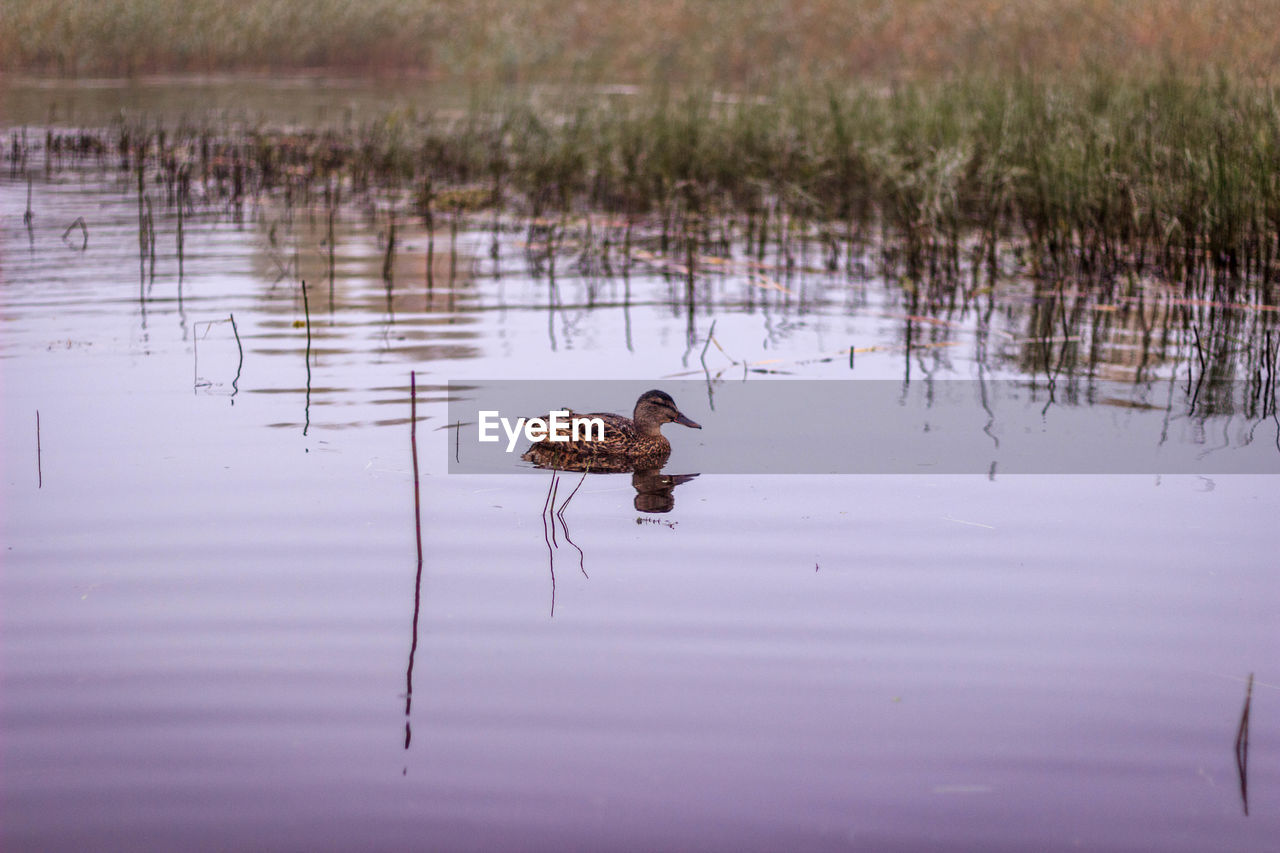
<point>1084,138</point>
<point>1098,178</point>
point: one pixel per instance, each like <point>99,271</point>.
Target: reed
<point>1098,177</point>
<point>306,311</point>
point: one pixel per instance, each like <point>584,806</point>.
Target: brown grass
<point>748,44</point>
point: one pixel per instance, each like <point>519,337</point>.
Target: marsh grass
<point>949,182</point>
<point>1111,169</point>
<point>1127,223</point>
<point>1072,138</point>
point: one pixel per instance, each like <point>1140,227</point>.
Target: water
<point>254,100</point>
<point>210,573</point>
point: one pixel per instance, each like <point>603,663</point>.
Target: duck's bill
<point>683,421</point>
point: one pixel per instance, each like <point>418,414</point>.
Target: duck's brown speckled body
<point>629,444</point>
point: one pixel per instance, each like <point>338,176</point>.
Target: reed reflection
<point>551,517</point>
<point>1242,747</point>
<point>654,495</point>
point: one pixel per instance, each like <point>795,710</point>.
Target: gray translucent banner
<point>891,427</point>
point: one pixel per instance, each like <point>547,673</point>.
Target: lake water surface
<point>217,633</point>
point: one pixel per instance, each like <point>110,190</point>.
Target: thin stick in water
<point>142,234</point>
<point>413,445</point>
<point>453,246</point>
<point>235,389</point>
<point>703,357</point>
<point>333,204</point>
<point>39,462</point>
<point>431,246</point>
<point>306,310</point>
<point>389,258</point>
<point>28,218</point>
<point>84,232</point>
<point>182,196</point>
<point>417,584</point>
<point>151,241</point>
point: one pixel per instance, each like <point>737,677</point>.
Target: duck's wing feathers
<point>619,433</point>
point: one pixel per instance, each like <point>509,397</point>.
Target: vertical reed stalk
<point>389,259</point>
<point>333,206</point>
<point>306,310</point>
<point>235,383</point>
<point>417,524</point>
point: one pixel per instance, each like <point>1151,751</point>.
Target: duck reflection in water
<point>632,445</point>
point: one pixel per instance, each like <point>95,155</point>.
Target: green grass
<point>1100,137</point>
<point>1101,176</point>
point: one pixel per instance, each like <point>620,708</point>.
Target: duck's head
<point>655,408</point>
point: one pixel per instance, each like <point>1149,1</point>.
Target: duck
<point>628,444</point>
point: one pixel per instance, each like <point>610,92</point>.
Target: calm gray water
<point>210,581</point>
